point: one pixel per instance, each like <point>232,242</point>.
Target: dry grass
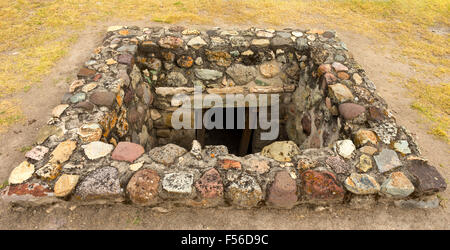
<point>35,34</point>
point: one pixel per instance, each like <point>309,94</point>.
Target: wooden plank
<point>246,134</point>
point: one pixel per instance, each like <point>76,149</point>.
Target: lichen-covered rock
<point>220,58</point>
<point>364,136</point>
<point>365,163</point>
<point>283,191</point>
<point>244,192</point>
<point>143,187</point>
<point>361,184</point>
<point>397,185</point>
<point>319,186</point>
<point>21,173</point>
<point>281,150</point>
<point>179,183</point>
<point>101,183</point>
<point>49,171</point>
<point>185,61</point>
<point>90,132</point>
<point>166,154</point>
<point>402,147</point>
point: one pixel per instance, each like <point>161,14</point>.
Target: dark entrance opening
<point>240,140</point>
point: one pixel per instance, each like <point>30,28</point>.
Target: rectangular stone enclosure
<point>246,118</point>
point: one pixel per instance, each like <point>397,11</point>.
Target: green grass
<point>25,149</point>
<point>36,34</point>
<point>4,184</point>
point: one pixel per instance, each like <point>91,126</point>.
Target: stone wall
<point>111,141</point>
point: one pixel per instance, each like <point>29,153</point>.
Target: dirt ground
<point>42,97</point>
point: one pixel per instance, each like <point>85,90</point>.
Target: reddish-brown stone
<point>320,186</point>
<point>323,68</point>
<point>143,187</point>
<point>126,59</point>
<point>283,191</point>
<point>350,110</point>
<point>33,189</point>
<point>306,124</point>
<point>127,151</point>
<point>97,77</point>
<point>227,164</point>
<point>170,42</point>
<point>328,103</point>
<point>339,67</point>
<point>86,73</point>
<point>329,79</point>
<point>343,75</point>
<point>210,184</point>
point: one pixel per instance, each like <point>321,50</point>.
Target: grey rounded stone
<point>208,74</point>
<point>175,79</point>
<point>242,74</point>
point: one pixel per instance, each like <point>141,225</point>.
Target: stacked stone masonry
<point>110,140</point>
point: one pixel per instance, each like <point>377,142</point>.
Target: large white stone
<point>21,173</point>
<point>196,42</point>
<point>345,148</point>
<point>97,149</point>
